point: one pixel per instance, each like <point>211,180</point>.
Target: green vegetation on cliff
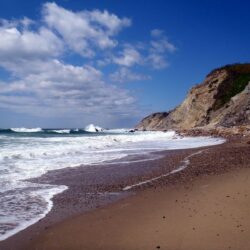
<point>238,80</point>
<point>218,101</point>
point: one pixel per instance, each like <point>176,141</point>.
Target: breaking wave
<point>28,153</point>
<point>42,131</point>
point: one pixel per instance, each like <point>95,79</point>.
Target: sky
<point>69,63</point>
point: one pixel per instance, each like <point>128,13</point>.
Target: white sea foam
<point>26,130</point>
<point>25,157</point>
<point>118,130</point>
<point>36,203</point>
<point>183,165</point>
<point>92,128</point>
<point>61,131</point>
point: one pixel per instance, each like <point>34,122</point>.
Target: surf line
<point>184,165</point>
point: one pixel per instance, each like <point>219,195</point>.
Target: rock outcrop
<point>223,99</point>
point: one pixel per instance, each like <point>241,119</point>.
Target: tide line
<point>185,164</point>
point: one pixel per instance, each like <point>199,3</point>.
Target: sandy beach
<point>212,213</point>
<point>124,125</point>
<point>205,206</point>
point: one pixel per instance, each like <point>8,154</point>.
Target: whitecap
<point>26,130</point>
<point>28,157</point>
<point>92,128</point>
<point>61,131</point>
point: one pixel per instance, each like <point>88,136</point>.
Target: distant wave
<point>66,131</point>
<point>61,131</point>
<point>21,130</point>
<point>92,128</point>
<point>37,131</point>
<point>26,130</point>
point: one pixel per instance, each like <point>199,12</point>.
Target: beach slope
<point>204,207</point>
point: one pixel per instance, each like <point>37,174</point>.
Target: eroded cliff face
<point>223,99</point>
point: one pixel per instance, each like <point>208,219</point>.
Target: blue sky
<point>70,63</point>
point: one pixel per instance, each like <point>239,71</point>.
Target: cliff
<point>222,99</point>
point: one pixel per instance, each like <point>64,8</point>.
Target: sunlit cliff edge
<point>222,100</point>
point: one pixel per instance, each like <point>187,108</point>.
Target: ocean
<point>30,153</point>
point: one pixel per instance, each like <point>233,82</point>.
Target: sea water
<point>29,153</point>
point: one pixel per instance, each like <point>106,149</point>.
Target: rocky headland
<point>219,105</point>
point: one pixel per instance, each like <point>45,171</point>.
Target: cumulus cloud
<point>86,29</point>
<point>128,57</point>
<point>160,43</point>
<point>153,54</point>
<point>126,75</point>
<point>16,43</point>
<point>159,48</point>
<point>43,79</point>
<point>64,88</point>
<point>43,84</point>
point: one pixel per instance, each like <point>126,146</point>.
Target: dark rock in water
<point>222,99</point>
<point>131,130</point>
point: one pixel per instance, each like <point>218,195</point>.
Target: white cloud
<point>159,48</point>
<point>82,31</point>
<point>41,83</point>
<point>158,61</point>
<point>126,75</point>
<point>16,43</point>
<point>128,57</point>
<point>112,22</point>
<point>162,46</point>
<point>156,32</point>
<point>64,89</point>
<point>153,54</point>
<point>26,22</point>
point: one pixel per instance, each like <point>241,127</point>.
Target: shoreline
<point>62,212</point>
<point>209,214</point>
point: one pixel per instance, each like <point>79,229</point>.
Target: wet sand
<point>206,206</point>
<point>212,214</point>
